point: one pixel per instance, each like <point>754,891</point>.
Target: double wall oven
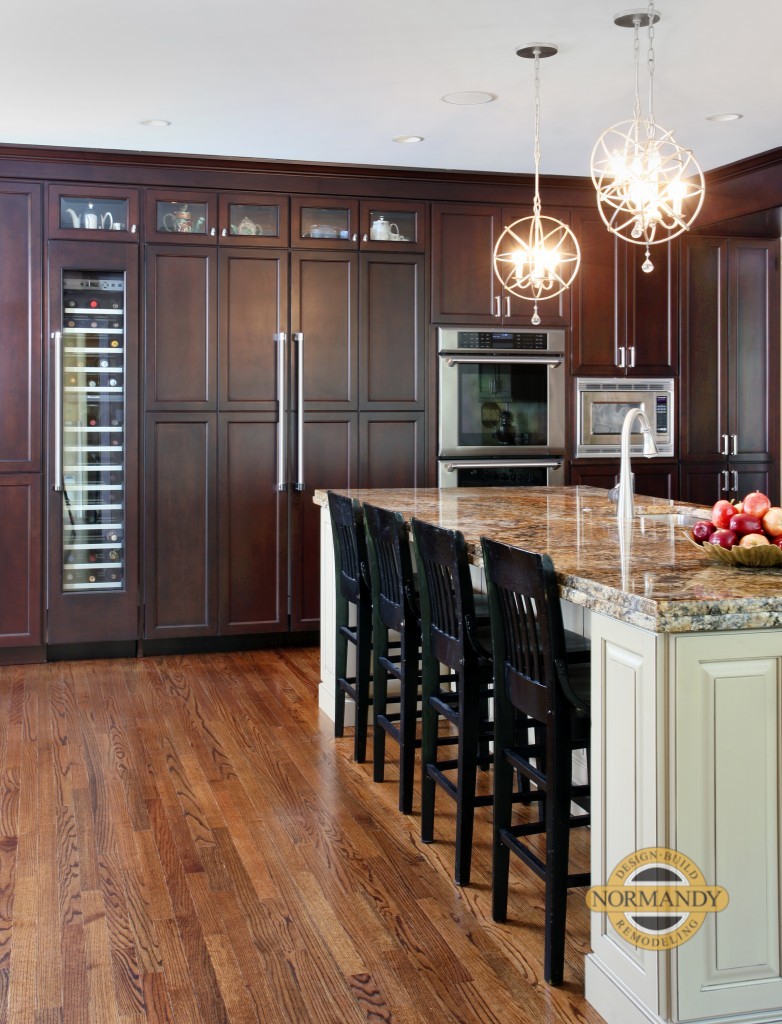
<point>501,407</point>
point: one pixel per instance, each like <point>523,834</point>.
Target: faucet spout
<point>625,508</point>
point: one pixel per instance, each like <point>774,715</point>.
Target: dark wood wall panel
<point>20,558</point>
<point>392,449</point>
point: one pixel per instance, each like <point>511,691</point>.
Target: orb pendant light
<point>649,189</point>
<point>536,257</point>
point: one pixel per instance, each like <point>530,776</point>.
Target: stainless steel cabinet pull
<point>735,441</point>
<point>365,238</point>
<point>631,359</point>
<point>281,338</point>
<point>724,449</point>
<point>355,237</point>
<point>621,361</point>
<point>213,232</point>
<point>224,232</point>
<point>725,483</point>
<point>507,305</point>
<point>132,229</point>
<point>299,485</point>
<point>497,306</point>
<point>57,340</point>
<point>734,477</point>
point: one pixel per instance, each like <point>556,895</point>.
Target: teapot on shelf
<point>75,218</point>
<point>246,227</point>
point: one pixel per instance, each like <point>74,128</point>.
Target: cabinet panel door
<point>180,525</point>
<point>253,524</point>
<point>181,327</point>
<point>20,557</point>
<point>703,483</point>
<point>324,301</point>
<point>392,331</point>
<point>652,479</point>
<point>463,283</point>
<point>652,303</point>
<point>330,460</point>
<point>753,370</point>
<point>596,324</point>
<point>253,309</point>
<point>20,315</point>
<point>754,476</point>
<point>704,339</point>
<point>392,450</point>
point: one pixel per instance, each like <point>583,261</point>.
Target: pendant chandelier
<point>649,189</point>
<point>537,257</point>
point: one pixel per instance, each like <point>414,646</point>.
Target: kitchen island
<point>686,715</point>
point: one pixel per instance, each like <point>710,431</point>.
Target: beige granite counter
<point>648,576</point>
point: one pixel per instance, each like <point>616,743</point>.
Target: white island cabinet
<point>686,734</point>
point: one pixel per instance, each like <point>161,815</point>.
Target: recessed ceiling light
<point>408,138</point>
<point>468,99</point>
<point>724,117</point>
<point>155,122</point>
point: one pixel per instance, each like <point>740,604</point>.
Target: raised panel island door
<point>392,332</point>
<point>180,591</point>
<point>181,328</point>
<point>253,525</point>
<point>253,310</point>
<point>324,326</point>
<point>329,460</point>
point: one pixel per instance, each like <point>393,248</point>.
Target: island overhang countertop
<point>645,572</point>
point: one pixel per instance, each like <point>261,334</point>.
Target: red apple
<point>743,523</point>
<point>721,513</point>
<point>738,505</point>
<point>725,538</point>
<point>772,521</point>
<point>751,540</point>
<point>702,530</point>
<point>756,504</point>
<point>777,541</point>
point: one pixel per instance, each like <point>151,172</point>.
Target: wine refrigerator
<point>92,465</point>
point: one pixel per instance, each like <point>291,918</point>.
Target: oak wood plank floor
<point>183,841</point>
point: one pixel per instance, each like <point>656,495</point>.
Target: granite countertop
<point>649,576</point>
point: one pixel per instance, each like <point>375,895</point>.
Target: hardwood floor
<point>182,840</point>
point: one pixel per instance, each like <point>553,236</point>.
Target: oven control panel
<point>502,340</point>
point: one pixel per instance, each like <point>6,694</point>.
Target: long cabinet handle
<point>281,339</point>
<point>725,481</point>
<point>299,485</point>
<point>57,340</point>
<point>724,449</point>
<point>507,305</point>
<point>631,356</point>
<point>734,444</point>
<point>497,311</point>
<point>734,480</point>
<point>622,357</point>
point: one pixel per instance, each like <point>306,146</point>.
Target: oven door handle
<point>451,467</point>
<point>553,360</point>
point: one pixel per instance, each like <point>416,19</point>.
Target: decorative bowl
<point>761,556</point>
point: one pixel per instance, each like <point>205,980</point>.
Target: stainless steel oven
<point>501,406</point>
<point>601,407</point>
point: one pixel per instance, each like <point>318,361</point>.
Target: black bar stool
<point>535,683</point>
<point>352,585</point>
<point>395,607</point>
<point>450,637</point>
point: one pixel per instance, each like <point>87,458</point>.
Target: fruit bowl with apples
<point>746,533</point>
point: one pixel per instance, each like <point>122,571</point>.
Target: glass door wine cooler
<point>93,556</point>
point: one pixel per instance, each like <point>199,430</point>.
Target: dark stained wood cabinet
<point>181,328</point>
<point>392,449</point>
<point>465,289</point>
<point>729,406</point>
<point>624,321</point>
<point>180,525</point>
<point>20,557</point>
<point>653,478</point>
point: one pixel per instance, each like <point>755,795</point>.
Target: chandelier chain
<point>637,58</point>
<point>536,150</point>
<point>650,65</point>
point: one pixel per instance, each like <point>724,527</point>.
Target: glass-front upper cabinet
<point>180,216</point>
<point>390,224</point>
<point>92,473</point>
<point>324,223</point>
<point>97,213</point>
<point>254,219</point>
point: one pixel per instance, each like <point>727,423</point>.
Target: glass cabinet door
<point>93,407</point>
<point>94,213</point>
<point>254,219</point>
<point>178,216</point>
<point>324,223</point>
<point>393,225</point>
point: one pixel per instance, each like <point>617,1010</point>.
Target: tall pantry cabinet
<point>20,420</point>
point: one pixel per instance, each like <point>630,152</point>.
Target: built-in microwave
<point>602,405</point>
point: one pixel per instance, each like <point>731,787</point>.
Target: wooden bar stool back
<point>535,683</point>
<point>450,637</point>
<point>395,607</point>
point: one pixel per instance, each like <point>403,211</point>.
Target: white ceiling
<point>316,81</point>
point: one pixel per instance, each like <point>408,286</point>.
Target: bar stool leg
<point>408,716</point>
<point>429,721</point>
<point>340,665</point>
<point>469,729</point>
<point>363,669</point>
